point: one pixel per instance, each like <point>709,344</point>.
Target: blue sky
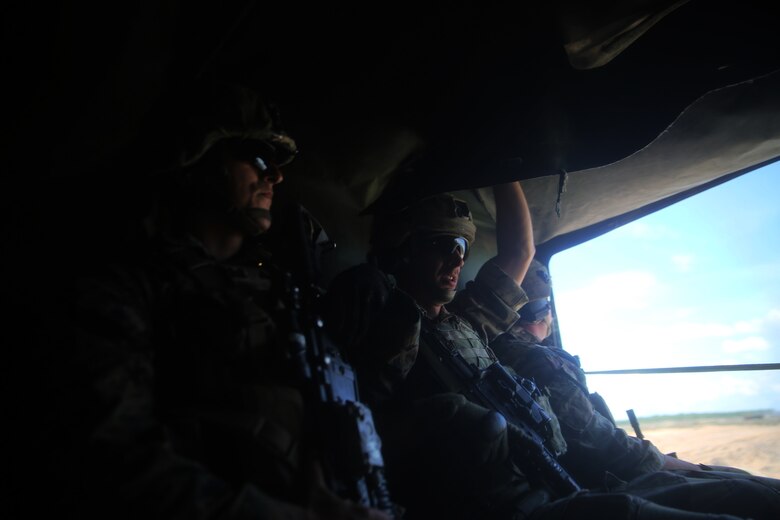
<point>697,283</point>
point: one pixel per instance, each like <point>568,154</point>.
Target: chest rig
<point>423,379</point>
<point>223,374</point>
<point>459,335</point>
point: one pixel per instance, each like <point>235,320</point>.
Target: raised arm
<point>514,231</point>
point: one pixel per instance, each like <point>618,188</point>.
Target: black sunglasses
<point>260,154</point>
<point>535,310</point>
<point>446,245</point>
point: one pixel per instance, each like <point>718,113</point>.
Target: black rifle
<point>340,425</point>
<point>496,389</point>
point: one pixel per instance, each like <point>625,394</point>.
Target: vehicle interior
<point>606,111</point>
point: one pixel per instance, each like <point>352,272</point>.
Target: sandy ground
<point>751,445</point>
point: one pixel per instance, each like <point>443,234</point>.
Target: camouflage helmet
<point>214,111</point>
<point>437,215</point>
<point>537,283</point>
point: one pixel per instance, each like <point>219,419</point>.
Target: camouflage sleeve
<point>594,444</point>
<point>377,325</point>
<point>100,446</point>
<point>490,302</point>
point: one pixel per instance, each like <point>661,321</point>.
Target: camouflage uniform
<point>594,445</point>
<point>173,372</point>
<point>449,458</point>
<point>602,456</point>
<point>413,412</point>
<point>161,385</point>
<point>485,308</point>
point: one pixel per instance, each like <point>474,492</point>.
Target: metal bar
<point>676,370</point>
<point>634,423</point>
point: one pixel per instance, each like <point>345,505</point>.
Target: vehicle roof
<point>606,111</point>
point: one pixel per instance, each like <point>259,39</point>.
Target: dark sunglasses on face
<point>259,154</point>
<point>446,245</point>
<point>535,310</point>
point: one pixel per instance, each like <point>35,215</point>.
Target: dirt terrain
<point>749,442</point>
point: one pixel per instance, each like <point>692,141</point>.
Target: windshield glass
<point>695,284</point>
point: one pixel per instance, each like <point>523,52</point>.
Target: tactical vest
<point>460,335</point>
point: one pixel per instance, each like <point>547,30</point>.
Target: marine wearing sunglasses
<point>444,245</point>
<point>535,311</point>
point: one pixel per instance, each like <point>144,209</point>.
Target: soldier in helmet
<point>594,446</point>
<point>165,387</point>
<point>448,457</point>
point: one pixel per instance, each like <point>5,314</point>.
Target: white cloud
<point>644,231</point>
<point>686,330</point>
<point>623,343</point>
<point>748,327</point>
<point>611,292</point>
<point>751,343</point>
<point>693,330</point>
<point>682,393</point>
<point>637,333</point>
<point>741,385</point>
<point>682,262</point>
<point>685,312</point>
<point>638,230</point>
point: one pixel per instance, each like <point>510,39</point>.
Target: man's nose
<point>273,174</point>
<point>456,259</point>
